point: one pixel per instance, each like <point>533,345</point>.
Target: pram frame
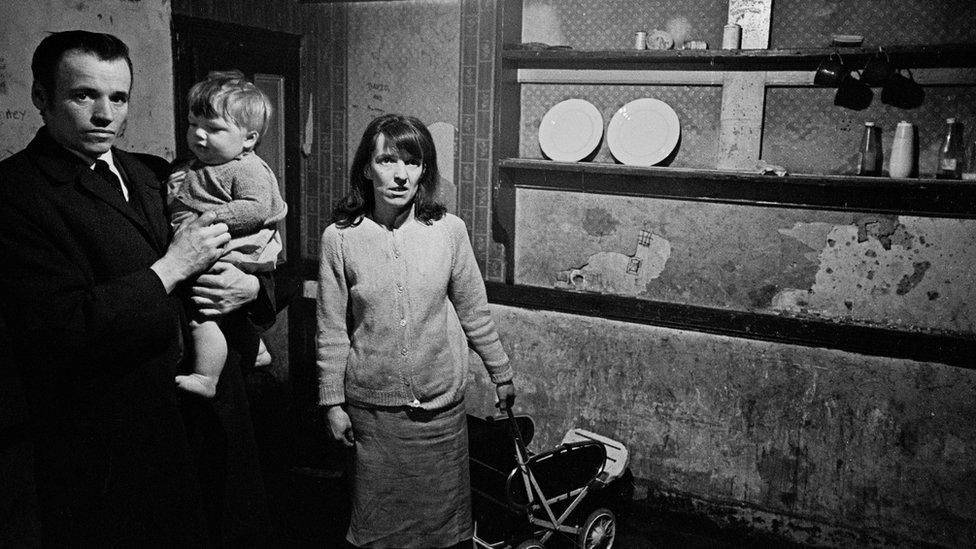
<point>536,498</point>
<point>533,489</point>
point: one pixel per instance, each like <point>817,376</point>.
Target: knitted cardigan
<point>397,310</point>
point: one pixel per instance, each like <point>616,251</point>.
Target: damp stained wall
<point>844,445</point>
<point>911,273</point>
<point>823,446</point>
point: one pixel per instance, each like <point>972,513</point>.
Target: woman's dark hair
<point>407,136</point>
<point>52,48</point>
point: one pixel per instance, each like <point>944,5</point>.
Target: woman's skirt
<point>411,484</point>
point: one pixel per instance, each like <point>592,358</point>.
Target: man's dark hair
<point>49,52</point>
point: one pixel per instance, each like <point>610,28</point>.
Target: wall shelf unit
<point>914,56</point>
<point>744,76</point>
<point>884,195</point>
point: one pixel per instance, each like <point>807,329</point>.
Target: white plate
<point>570,130</point>
<point>643,132</point>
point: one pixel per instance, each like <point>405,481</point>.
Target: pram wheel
<point>598,531</point>
<point>531,544</point>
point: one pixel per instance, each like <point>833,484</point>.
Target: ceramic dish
<point>643,132</point>
<point>570,131</point>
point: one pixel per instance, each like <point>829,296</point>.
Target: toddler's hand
<point>175,180</point>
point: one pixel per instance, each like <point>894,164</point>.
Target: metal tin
<point>640,40</point>
<point>731,37</point>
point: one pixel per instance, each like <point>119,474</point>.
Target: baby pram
<point>521,499</point>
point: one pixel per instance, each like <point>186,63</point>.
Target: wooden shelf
<point>914,56</point>
<point>954,349</point>
<point>920,197</point>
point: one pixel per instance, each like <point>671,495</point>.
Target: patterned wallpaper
<point>807,133</point>
<point>810,23</point>
<point>610,24</point>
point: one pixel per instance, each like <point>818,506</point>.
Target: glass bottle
<point>969,170</point>
<point>951,155</point>
<point>870,155</point>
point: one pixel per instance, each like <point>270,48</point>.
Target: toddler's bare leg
<point>210,353</point>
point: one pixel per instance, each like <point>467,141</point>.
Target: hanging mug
<point>878,69</point>
<point>902,91</point>
<point>831,72</point>
<point>853,94</point>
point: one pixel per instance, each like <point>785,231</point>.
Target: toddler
<point>227,115</point>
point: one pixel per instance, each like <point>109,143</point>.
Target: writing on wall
<point>144,25</point>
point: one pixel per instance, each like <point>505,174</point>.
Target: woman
<point>400,301</point>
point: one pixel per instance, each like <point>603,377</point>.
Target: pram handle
<point>522,452</point>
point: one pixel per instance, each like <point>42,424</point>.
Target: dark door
<point>272,61</point>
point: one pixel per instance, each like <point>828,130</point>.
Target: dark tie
<point>102,169</point>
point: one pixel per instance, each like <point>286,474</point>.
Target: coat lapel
<point>145,195</point>
<point>63,167</point>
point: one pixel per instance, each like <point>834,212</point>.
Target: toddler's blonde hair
<point>229,95</point>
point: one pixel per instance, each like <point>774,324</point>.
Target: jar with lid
<point>870,155</point>
<point>951,154</point>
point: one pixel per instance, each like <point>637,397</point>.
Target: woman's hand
<point>506,395</point>
<point>340,426</point>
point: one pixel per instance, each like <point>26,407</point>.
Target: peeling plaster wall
<point>142,24</point>
<point>825,446</point>
<point>911,273</point>
<point>836,440</point>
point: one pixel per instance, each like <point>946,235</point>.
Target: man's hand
<point>223,289</point>
<point>197,244</point>
<point>340,426</point>
<point>506,395</point>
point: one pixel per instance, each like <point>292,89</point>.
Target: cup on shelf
<point>904,152</point>
<point>731,37</point>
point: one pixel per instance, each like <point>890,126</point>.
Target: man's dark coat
<point>120,457</point>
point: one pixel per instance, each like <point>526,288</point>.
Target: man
<point>89,275</point>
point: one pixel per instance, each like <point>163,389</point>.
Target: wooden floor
<point>310,498</point>
<point>312,514</point>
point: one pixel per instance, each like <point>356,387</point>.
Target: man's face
<point>86,111</point>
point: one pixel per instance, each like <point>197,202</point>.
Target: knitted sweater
<point>244,193</point>
<point>397,310</point>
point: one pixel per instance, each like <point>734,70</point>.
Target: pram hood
<point>494,468</point>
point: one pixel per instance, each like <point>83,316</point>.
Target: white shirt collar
<point>109,159</point>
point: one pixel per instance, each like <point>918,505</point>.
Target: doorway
<point>272,60</point>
